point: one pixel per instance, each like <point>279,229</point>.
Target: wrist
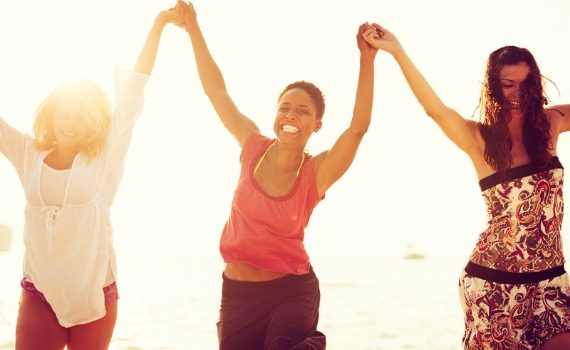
<point>367,56</point>
<point>160,20</point>
<point>191,25</point>
<point>398,52</point>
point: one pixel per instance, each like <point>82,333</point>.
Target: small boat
<point>5,237</point>
<point>413,254</point>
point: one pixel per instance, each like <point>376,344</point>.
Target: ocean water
<point>407,180</point>
<point>172,302</point>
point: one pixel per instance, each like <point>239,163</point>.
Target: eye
<point>302,112</point>
<point>508,86</point>
<point>283,109</point>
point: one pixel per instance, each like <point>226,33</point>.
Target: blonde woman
<point>70,172</point>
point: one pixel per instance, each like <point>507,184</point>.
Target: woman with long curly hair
<point>514,290</point>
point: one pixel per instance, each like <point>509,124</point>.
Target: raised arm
<point>333,164</point>
<point>560,117</point>
<point>147,57</point>
<point>461,131</point>
<point>13,144</point>
<point>213,82</point>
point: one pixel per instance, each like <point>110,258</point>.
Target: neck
<point>516,116</point>
<point>65,152</point>
<point>286,158</point>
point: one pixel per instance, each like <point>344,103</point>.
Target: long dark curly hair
<point>495,114</point>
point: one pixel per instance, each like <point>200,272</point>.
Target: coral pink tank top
<point>264,231</point>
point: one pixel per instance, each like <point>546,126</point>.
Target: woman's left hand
<point>364,47</point>
<point>174,15</point>
<point>381,38</point>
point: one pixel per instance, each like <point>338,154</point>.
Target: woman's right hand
<point>188,13</point>
<point>463,132</point>
<point>212,79</point>
<point>174,15</point>
<point>381,38</point>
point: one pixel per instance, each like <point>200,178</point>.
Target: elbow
<point>213,92</point>
<point>359,127</point>
<point>431,113</point>
<point>362,131</point>
<point>436,110</point>
<point>209,89</point>
<point>359,131</point>
<point>432,110</point>
<point>208,92</point>
<point>436,113</point>
<point>212,88</point>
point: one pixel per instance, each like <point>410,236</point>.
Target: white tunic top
<point>69,245</point>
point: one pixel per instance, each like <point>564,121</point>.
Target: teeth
<point>69,133</point>
<point>290,128</point>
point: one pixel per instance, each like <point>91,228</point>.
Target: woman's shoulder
<point>557,112</point>
<point>253,144</point>
<point>558,115</point>
<point>315,161</point>
<point>255,140</point>
<point>560,110</point>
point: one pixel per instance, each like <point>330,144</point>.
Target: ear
<point>318,126</point>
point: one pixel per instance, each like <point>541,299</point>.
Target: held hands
<point>365,48</point>
<point>182,14</point>
<point>188,14</point>
<point>380,38</point>
<point>174,15</point>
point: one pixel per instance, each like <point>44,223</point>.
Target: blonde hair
<point>96,116</point>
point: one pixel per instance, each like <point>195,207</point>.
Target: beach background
<point>408,190</point>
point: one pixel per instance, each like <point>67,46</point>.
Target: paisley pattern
<point>523,235</point>
<point>513,316</point>
<point>525,217</point>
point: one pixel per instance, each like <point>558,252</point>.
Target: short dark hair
<point>314,92</point>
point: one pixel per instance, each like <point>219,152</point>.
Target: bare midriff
<point>238,271</point>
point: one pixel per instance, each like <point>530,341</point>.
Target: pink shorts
<point>111,293</point>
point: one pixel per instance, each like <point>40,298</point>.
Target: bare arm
<point>560,116</point>
<point>334,163</point>
<point>213,82</point>
<point>147,57</point>
<point>13,145</point>
<point>459,130</point>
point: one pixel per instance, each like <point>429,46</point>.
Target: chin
<point>74,145</point>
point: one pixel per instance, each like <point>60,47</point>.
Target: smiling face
<point>512,83</point>
<point>75,116</point>
<point>512,77</point>
<point>69,127</point>
<point>296,117</point>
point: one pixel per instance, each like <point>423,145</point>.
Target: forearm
<point>209,72</point>
<point>147,57</point>
<point>364,95</point>
<point>424,93</point>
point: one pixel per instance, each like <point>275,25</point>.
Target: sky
<point>408,186</point>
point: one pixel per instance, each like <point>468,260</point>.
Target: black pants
<point>274,315</point>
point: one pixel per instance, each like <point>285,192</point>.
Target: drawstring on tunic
<point>51,215</point>
<point>53,211</point>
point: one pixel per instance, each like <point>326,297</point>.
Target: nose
<point>291,115</point>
